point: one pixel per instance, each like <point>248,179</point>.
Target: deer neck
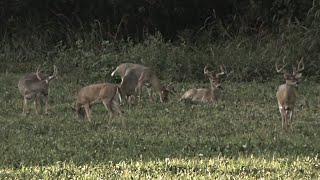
<point>290,85</point>
<point>213,87</point>
<point>290,88</point>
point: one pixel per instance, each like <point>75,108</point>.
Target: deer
<point>287,93</point>
<point>128,85</point>
<point>149,78</point>
<point>35,86</point>
<point>124,67</point>
<point>206,95</point>
<point>135,76</point>
<point>107,93</point>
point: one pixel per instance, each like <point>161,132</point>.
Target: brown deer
<point>136,76</point>
<point>128,85</point>
<point>35,86</point>
<point>123,68</point>
<point>287,93</point>
<point>206,95</point>
<point>107,93</point>
<point>149,78</point>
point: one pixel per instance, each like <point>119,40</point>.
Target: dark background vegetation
<point>240,136</point>
<point>176,37</point>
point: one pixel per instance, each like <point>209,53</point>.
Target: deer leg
<point>287,116</point>
<point>115,106</point>
<point>138,90</point>
<point>161,99</point>
<point>290,119</point>
<point>131,99</point>
<point>79,111</point>
<point>88,111</point>
<point>46,99</point>
<point>107,104</point>
<point>36,104</point>
<point>140,85</point>
<point>282,112</point>
<point>150,94</point>
<point>25,106</point>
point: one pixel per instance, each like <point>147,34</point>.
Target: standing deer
<point>35,86</point>
<point>128,85</point>
<point>149,78</point>
<point>123,68</point>
<point>287,93</point>
<point>107,93</point>
<point>129,74</point>
<point>206,95</point>
<point>135,76</point>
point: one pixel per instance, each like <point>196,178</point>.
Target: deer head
<point>295,77</point>
<point>165,91</point>
<point>214,77</point>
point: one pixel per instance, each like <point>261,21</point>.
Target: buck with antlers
<point>107,93</point>
<point>206,95</point>
<point>287,93</point>
<point>135,77</point>
<point>35,86</point>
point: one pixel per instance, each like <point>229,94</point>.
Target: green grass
<point>241,137</point>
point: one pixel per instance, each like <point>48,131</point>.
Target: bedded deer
<point>206,95</point>
<point>35,86</point>
<point>287,93</point>
<point>135,76</point>
<point>107,93</point>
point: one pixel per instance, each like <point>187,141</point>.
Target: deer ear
<point>298,75</point>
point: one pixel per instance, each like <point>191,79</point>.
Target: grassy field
<point>241,137</point>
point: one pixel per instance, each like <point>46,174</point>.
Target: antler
<point>55,70</point>
<point>300,65</point>
<point>37,73</point>
<point>222,69</point>
<point>205,70</point>
<point>54,74</point>
<point>280,69</point>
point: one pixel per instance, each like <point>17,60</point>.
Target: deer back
<point>124,67</point>
<point>96,92</point>
<point>30,83</point>
<point>204,95</point>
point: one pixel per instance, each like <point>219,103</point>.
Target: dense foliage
<point>170,35</point>
<point>125,18</point>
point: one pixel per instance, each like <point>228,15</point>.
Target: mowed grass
<point>241,137</point>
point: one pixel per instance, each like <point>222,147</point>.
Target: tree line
<point>123,19</point>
